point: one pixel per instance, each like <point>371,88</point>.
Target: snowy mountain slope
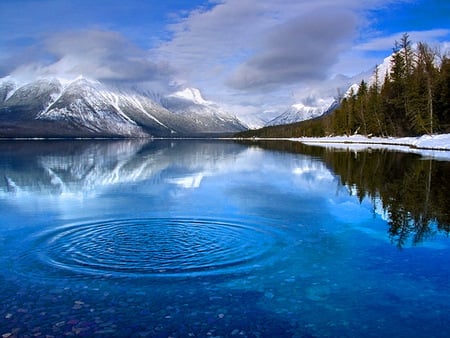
<point>84,105</point>
<point>301,112</point>
<point>323,105</point>
<point>190,94</point>
<point>382,69</point>
<point>29,98</point>
<point>256,120</point>
<point>7,88</point>
<point>87,108</point>
<point>191,104</point>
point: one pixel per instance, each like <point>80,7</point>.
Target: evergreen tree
<point>421,114</point>
<point>405,48</point>
<point>375,119</point>
<point>401,80</point>
<point>414,98</point>
<point>387,105</point>
<point>350,112</point>
<point>362,100</point>
<point>442,94</point>
<point>396,94</point>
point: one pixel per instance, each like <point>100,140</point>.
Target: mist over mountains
<point>52,107</point>
<point>55,107</point>
<point>82,107</point>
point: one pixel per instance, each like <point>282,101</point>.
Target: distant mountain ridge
<point>81,107</point>
<point>86,108</point>
<point>301,112</point>
<point>324,105</point>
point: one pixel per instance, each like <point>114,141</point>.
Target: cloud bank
<point>302,49</point>
<point>246,49</point>
<point>102,55</point>
<point>252,55</point>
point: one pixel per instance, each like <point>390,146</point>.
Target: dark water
<point>220,239</point>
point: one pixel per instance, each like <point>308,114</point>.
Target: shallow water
<point>214,238</point>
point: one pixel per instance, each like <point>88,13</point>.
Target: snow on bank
<point>435,146</point>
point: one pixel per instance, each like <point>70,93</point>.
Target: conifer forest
<point>412,98</point>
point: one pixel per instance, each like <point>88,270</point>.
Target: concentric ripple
<point>155,247</point>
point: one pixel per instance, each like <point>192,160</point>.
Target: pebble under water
<point>204,239</point>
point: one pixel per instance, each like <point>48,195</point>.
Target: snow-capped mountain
<point>301,112</point>
<point>190,103</point>
<point>312,108</point>
<point>86,108</point>
<point>192,95</point>
<point>382,69</point>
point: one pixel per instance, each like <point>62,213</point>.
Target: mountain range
<point>51,107</point>
<point>324,105</point>
<point>301,112</point>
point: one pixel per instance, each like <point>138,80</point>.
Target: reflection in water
<point>413,191</point>
<point>83,167</point>
<point>67,167</point>
<point>215,238</point>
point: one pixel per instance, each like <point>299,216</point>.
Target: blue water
<point>204,239</point>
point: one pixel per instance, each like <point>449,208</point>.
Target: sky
<point>251,56</point>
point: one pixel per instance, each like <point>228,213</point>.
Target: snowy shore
<point>435,146</point>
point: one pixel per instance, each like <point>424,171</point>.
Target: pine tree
<point>421,113</point>
<point>405,48</point>
<point>400,77</point>
<point>350,112</point>
<point>362,97</point>
<point>442,94</point>
<point>413,99</point>
<point>375,119</point>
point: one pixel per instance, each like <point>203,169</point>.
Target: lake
<point>203,238</point>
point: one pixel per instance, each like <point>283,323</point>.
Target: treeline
<point>412,99</point>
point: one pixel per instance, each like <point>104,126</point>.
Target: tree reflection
<point>414,192</point>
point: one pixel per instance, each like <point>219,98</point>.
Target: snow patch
<point>191,94</point>
<point>302,111</point>
<point>434,146</point>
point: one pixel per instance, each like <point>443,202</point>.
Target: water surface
<point>215,238</point>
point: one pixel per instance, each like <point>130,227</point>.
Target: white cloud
<point>239,51</point>
<point>387,42</point>
<point>252,55</point>
<point>99,54</point>
<point>301,49</point>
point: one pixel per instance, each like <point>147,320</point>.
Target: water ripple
<point>155,247</point>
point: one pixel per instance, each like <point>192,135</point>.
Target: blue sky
<point>250,55</point>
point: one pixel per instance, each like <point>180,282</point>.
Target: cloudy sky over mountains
<point>251,55</point>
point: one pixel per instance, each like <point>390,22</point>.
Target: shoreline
<point>433,146</point>
<point>428,142</point>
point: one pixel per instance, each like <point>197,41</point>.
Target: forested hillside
<point>413,98</point>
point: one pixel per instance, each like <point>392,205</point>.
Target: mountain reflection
<point>68,167</point>
<point>413,191</point>
<point>84,167</point>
